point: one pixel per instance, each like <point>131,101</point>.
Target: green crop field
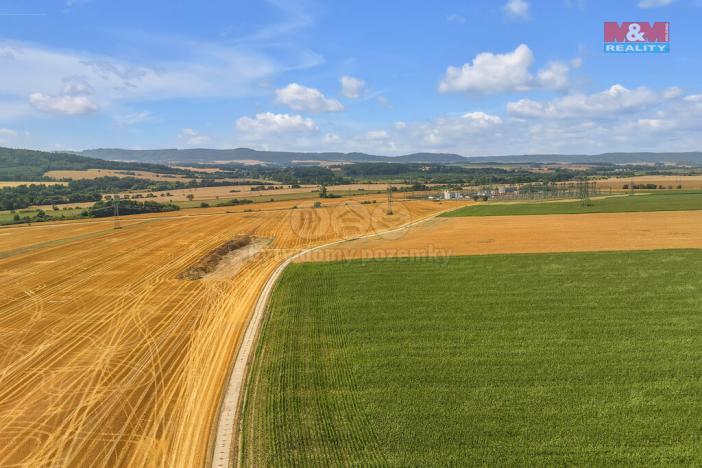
<point>664,201</point>
<point>7,217</point>
<point>552,359</point>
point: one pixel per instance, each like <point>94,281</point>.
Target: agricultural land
<point>551,359</point>
<point>497,334</point>
<point>343,315</point>
<point>109,355</point>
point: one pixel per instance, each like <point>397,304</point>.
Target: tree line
<point>76,191</point>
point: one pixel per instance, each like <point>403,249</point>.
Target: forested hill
<point>286,158</point>
<point>29,165</point>
<point>281,158</point>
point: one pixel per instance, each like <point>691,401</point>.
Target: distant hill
<point>29,165</point>
<point>284,158</point>
<point>21,164</point>
<point>202,155</point>
<point>691,158</point>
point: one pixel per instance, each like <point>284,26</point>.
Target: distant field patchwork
<point>663,201</point>
<point>672,181</point>
<point>552,359</point>
<point>94,173</point>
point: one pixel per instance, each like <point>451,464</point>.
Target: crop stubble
<point>106,357</point>
<point>531,234</point>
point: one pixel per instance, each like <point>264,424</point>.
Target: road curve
<point>229,409</point>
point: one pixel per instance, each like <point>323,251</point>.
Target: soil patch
<point>209,263</point>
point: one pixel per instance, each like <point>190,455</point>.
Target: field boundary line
<point>230,406</point>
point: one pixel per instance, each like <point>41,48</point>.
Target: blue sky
<point>475,78</point>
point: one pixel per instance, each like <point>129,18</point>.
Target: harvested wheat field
<point>443,237</point>
<point>108,358</point>
<point>687,182</point>
<point>206,170</point>
<point>94,173</point>
<point>21,238</point>
<point>245,191</point>
<point>223,192</point>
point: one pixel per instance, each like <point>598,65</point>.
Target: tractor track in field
<point>108,358</point>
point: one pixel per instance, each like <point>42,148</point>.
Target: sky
<point>477,78</point>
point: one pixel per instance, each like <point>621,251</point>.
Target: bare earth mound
<point>209,262</point>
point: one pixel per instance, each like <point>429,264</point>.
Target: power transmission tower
<point>115,204</point>
<point>389,200</point>
<point>584,192</point>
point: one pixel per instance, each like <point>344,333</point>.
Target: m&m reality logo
<point>637,37</point>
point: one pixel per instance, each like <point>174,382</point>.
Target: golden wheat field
<point>687,182</point>
<point>206,170</point>
<point>441,237</point>
<point>222,192</point>
<point>94,173</point>
<point>245,191</point>
<point>108,358</point>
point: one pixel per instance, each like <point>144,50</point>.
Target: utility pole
<point>115,204</point>
<point>584,192</point>
<point>389,200</point>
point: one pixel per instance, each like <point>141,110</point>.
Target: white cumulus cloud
<point>615,119</point>
<point>301,98</point>
<point>491,73</point>
<point>63,104</point>
<point>610,102</point>
<point>351,87</point>
<point>555,76</point>
<point>445,132</point>
<point>8,132</point>
<point>270,123</point>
